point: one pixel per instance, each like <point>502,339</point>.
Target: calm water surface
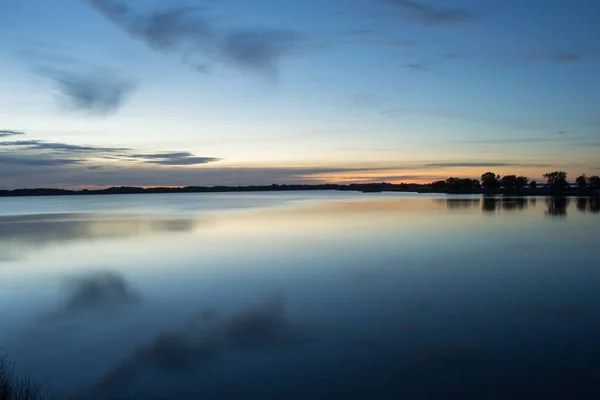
<point>302,295</point>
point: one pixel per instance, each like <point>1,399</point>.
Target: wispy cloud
<point>391,44</point>
<point>96,93</point>
<point>190,33</point>
<point>6,133</point>
<point>417,67</point>
<point>258,49</point>
<point>361,32</point>
<point>39,152</point>
<point>558,57</point>
<point>80,87</point>
<point>452,56</point>
<point>393,113</point>
<point>60,147</point>
<point>472,164</point>
<point>175,158</point>
<point>431,15</point>
<point>34,161</point>
<point>523,140</point>
<point>364,100</point>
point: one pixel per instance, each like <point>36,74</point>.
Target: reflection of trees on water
<point>557,206</point>
<point>588,205</point>
<point>581,204</point>
<point>454,204</point>
<point>510,204</point>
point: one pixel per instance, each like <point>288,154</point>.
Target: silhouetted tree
<point>581,181</point>
<point>508,181</point>
<point>532,184</point>
<point>557,178</point>
<point>594,181</point>
<point>438,185</point>
<point>489,181</point>
<point>521,182</point>
<point>461,185</point>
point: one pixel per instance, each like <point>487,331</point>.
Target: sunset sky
<point>235,92</point>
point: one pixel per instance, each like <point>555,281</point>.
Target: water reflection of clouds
<point>202,340</point>
<point>24,234</point>
<point>103,291</point>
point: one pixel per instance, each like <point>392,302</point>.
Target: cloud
<point>394,113</point>
<point>562,133</point>
<point>417,67</point>
<point>186,161</point>
<point>94,92</point>
<point>176,30</point>
<point>510,140</point>
<point>78,86</point>
<point>190,33</point>
<point>5,133</point>
<point>175,158</point>
<point>34,161</point>
<point>61,147</point>
<point>161,156</point>
<point>258,49</point>
<point>364,100</point>
<point>429,15</point>
<point>395,44</point>
<point>361,32</point>
<point>148,174</point>
<point>38,152</point>
<point>452,56</point>
<point>558,57</point>
<point>472,164</point>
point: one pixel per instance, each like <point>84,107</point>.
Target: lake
<point>302,295</point>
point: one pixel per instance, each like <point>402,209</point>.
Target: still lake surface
<point>302,295</point>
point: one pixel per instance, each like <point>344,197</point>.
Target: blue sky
<point>157,92</point>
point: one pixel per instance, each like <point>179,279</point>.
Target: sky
<point>97,93</point>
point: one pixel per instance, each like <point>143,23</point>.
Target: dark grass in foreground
<point>13,387</point>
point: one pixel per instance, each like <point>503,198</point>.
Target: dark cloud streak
<point>38,152</point>
<point>428,15</point>
<point>61,147</point>
<point>176,30</point>
<point>80,87</point>
<point>174,158</point>
<point>417,67</point>
<point>188,33</point>
<point>258,49</point>
<point>6,133</point>
<point>95,93</point>
<point>35,161</point>
<point>472,164</point>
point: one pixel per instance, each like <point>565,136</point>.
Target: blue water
<point>302,295</point>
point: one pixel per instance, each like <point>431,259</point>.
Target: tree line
<point>556,183</point>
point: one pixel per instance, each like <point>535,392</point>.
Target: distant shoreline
<point>365,188</point>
